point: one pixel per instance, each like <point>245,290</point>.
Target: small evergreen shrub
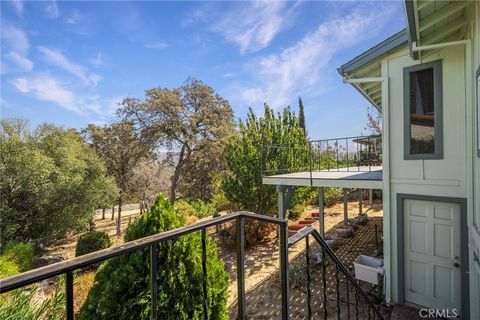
<point>92,241</point>
<point>16,257</point>
<point>122,284</point>
<point>197,208</point>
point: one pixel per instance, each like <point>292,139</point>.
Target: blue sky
<point>69,62</point>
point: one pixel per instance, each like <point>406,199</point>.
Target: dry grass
<point>83,284</point>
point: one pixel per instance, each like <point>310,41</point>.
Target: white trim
<point>416,48</point>
<point>363,80</point>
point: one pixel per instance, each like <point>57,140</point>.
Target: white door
<point>432,254</point>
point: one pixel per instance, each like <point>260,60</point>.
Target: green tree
<point>247,152</point>
<point>122,149</point>
<point>51,181</point>
<point>193,123</point>
<point>301,114</point>
<point>121,289</point>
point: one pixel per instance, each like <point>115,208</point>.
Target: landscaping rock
<point>353,223</point>
<point>45,261</point>
<point>345,232</point>
<point>362,219</point>
<point>333,243</point>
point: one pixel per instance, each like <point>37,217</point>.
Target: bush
<point>24,305</point>
<point>296,212</point>
<point>8,268</point>
<point>197,208</point>
<point>92,241</point>
<point>16,257</point>
<point>122,285</point>
<point>332,196</point>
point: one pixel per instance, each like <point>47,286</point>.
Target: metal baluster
<point>240,246</point>
<point>356,304</point>
<point>204,270</point>
<point>348,167</point>
<point>328,162</point>
<point>337,152</point>
<point>69,294</point>
<point>337,283</point>
<point>284,268</point>
<point>154,284</point>
<point>358,155</point>
<point>348,297</point>
<point>324,279</point>
<point>309,290</point>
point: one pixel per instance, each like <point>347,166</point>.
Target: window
<point>422,85</point>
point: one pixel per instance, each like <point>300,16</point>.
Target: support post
<point>345,207</point>
<point>360,201</point>
<point>284,196</point>
<point>321,211</point>
<point>284,268</point>
<point>370,197</point>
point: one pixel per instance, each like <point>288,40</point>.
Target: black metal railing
<point>360,153</point>
<point>365,310</point>
<point>68,267</point>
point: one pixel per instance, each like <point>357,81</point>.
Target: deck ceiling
<point>433,21</point>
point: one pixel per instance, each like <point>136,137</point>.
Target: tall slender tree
<point>301,114</point>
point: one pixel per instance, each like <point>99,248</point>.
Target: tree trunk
<point>113,212</point>
<point>119,217</point>
<point>176,175</point>
<point>141,207</point>
<point>103,213</point>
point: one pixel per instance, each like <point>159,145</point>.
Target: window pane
<point>422,111</point>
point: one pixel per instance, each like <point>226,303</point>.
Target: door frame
<point>464,266</point>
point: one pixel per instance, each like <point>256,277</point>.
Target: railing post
<point>204,273</point>
<point>240,246</point>
<point>284,268</point>
<point>153,282</point>
<point>69,295</point>
<point>309,290</point>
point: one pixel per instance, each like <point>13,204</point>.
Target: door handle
<point>456,265</point>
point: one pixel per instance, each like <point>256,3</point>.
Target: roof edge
<point>375,52</point>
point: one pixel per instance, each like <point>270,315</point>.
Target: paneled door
<point>432,254</point>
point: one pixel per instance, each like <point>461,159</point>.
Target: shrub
<point>332,195</point>
<point>8,268</point>
<point>19,253</point>
<point>197,208</point>
<point>92,241</point>
<point>24,304</point>
<point>296,212</point>
<point>122,284</point>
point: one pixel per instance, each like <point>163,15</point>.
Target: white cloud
<point>18,6</point>
<point>47,88</point>
<point>74,18</point>
<point>156,45</point>
<point>98,60</point>
<point>51,9</point>
<point>24,63</point>
<point>255,25</point>
<point>300,69</point>
<point>16,41</point>
<point>57,58</point>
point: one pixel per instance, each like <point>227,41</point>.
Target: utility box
<point>368,269</point>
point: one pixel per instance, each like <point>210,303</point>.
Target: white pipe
<point>438,45</point>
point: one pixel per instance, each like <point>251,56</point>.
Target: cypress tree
<point>301,114</point>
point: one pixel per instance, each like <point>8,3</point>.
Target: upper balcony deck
<point>352,162</point>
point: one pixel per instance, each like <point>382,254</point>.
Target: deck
<point>352,177</point>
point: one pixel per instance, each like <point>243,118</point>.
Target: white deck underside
<point>353,177</point>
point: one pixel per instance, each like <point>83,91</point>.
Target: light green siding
<point>457,175</point>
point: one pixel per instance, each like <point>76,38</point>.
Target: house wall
<point>457,174</point>
<point>474,34</point>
